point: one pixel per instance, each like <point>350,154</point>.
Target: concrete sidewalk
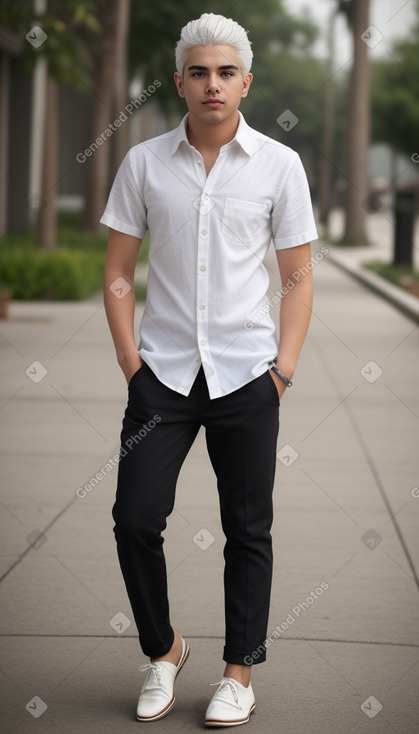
<point>344,656</point>
<point>380,231</point>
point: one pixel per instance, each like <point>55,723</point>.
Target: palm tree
<point>358,134</point>
<point>110,66</point>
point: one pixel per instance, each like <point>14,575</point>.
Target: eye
<point>226,73</point>
<point>198,73</point>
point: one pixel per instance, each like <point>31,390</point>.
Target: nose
<point>213,84</point>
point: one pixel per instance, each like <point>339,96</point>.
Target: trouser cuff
<point>245,658</point>
<point>165,646</point>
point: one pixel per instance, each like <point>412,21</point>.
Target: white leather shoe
<point>231,705</point>
<point>157,695</point>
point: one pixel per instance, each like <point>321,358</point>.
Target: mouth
<point>213,103</point>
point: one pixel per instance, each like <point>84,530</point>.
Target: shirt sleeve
<point>125,210</point>
<point>292,217</point>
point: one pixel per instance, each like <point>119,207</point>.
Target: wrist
<point>130,363</point>
<point>287,367</point>
<point>286,380</point>
<point>128,357</point>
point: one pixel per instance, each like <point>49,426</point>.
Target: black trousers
<point>158,429</point>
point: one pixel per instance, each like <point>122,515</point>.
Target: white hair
<point>210,30</point>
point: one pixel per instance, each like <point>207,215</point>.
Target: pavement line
<point>76,332</point>
<point>372,467</point>
<point>384,497</point>
<point>217,637</point>
<point>29,548</point>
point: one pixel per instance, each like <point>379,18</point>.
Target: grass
<point>396,274</point>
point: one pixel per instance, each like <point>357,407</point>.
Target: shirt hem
<point>185,390</point>
<point>296,240</point>
<point>110,221</point>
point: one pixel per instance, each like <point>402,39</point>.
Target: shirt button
<point>204,232</point>
<point>203,342</point>
<point>205,196</point>
<point>202,307</point>
<point>202,268</point>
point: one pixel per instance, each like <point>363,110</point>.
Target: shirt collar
<point>244,137</point>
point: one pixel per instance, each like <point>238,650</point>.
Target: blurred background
<point>82,82</point>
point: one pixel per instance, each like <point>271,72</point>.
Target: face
<point>213,82</point>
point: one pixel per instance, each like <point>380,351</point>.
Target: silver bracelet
<point>283,377</point>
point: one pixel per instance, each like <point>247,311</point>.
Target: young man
<point>213,194</point>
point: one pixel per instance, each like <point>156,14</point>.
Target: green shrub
<point>57,275</point>
<point>140,291</point>
<point>73,271</point>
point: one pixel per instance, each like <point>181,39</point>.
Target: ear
<point>247,80</point>
<point>179,84</point>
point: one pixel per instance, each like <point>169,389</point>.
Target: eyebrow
<point>220,68</point>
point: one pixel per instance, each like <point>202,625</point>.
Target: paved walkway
<point>344,656</point>
<point>380,231</point>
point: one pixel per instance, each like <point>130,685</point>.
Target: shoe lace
<point>228,684</point>
<point>153,668</point>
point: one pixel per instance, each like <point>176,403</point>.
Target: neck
<point>211,136</point>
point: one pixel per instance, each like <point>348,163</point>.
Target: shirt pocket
<point>243,220</point>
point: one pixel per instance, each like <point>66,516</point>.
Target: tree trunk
<point>325,185</point>
<point>98,164</point>
<point>47,221</point>
<point>358,130</point>
<point>121,138</point>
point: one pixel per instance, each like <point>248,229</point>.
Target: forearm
<point>120,315</point>
<point>294,319</point>
<point>119,297</point>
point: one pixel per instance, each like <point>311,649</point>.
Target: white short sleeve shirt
<point>208,238</point>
